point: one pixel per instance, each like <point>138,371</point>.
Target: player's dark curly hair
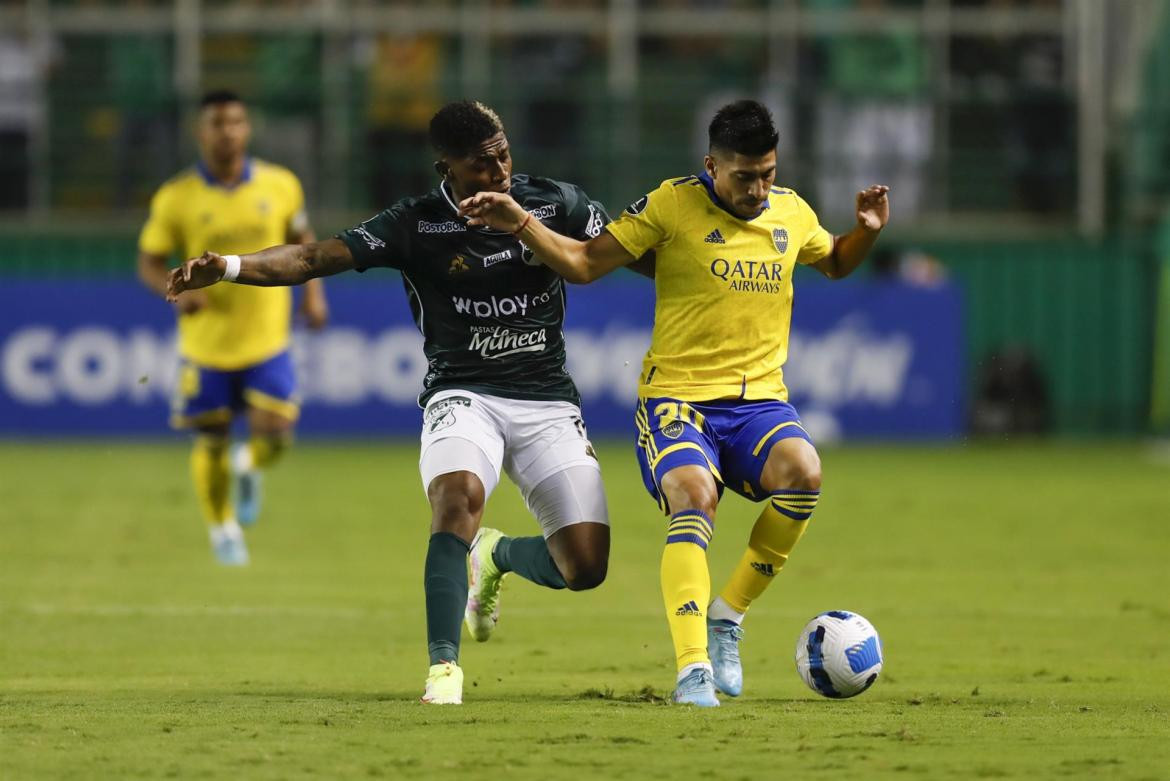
<point>217,97</point>
<point>458,128</point>
<point>744,126</point>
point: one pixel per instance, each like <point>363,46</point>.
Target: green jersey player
<point>496,395</point>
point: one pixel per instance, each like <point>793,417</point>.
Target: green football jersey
<point>491,315</point>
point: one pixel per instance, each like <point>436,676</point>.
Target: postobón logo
<point>441,227</point>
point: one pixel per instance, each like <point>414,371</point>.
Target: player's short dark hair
<point>744,126</point>
<point>458,128</point>
<point>217,97</point>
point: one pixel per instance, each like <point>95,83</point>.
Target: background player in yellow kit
<point>712,409</point>
<point>233,340</point>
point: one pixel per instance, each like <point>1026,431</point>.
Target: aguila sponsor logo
<point>499,257</point>
<point>501,342</point>
<point>749,276</point>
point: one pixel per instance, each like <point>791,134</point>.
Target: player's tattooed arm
<point>849,250</point>
<point>288,264</point>
<point>577,261</point>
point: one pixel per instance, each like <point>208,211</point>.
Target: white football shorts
<point>542,445</point>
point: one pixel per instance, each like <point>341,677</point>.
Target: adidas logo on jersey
<point>766,570</point>
<point>689,609</point>
<point>714,237</point>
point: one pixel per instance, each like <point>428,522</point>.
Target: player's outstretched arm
<point>577,261</point>
<point>288,264</point>
<point>873,213</point>
<point>152,270</point>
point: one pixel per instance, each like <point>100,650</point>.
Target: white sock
<point>684,672</point>
<point>242,457</point>
<point>719,610</point>
<point>229,529</point>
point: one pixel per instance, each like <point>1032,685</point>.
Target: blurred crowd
<point>952,123</point>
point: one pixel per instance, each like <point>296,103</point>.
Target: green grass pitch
<point>1021,593</point>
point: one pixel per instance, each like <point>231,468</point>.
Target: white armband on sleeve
<point>233,268</point>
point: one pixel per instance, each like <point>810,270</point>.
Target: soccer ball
<point>839,654</point>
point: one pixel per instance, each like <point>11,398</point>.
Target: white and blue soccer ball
<point>839,654</point>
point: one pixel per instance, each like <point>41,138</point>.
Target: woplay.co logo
<point>502,306</point>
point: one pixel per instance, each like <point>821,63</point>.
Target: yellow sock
<point>686,585</point>
<point>267,448</point>
<point>775,534</point>
<point>210,474</point>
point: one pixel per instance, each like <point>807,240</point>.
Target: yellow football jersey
<point>723,288</point>
<point>242,325</point>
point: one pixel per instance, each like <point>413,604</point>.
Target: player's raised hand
<point>873,207</point>
<point>207,269</point>
<point>494,210</point>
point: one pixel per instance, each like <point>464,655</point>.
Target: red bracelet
<point>523,225</point>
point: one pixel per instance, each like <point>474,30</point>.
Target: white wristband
<point>233,268</point>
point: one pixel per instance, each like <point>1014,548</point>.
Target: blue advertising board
<point>86,356</point>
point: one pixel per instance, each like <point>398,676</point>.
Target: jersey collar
<point>449,196</point>
<point>709,184</point>
<point>211,181</point>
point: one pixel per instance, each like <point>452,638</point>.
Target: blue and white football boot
<point>227,543</point>
<point>723,647</point>
<point>697,688</point>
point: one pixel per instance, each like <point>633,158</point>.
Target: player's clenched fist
<point>207,269</point>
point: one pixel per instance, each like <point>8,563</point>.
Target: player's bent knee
<point>690,488</point>
<point>807,477</point>
<point>704,498</point>
<point>792,463</point>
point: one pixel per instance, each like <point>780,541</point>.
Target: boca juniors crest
<point>780,239</point>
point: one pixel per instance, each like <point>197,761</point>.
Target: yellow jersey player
<point>233,340</point>
<point>713,411</point>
